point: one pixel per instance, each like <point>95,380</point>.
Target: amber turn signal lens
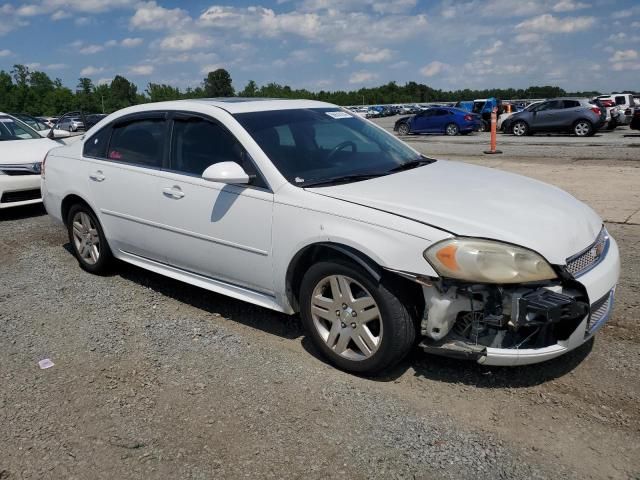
<point>447,256</point>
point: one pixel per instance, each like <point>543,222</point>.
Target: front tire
<point>357,323</point>
<point>520,129</point>
<point>403,129</point>
<point>88,241</point>
<point>452,130</point>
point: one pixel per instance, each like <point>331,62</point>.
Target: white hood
<point>481,202</point>
<point>25,151</point>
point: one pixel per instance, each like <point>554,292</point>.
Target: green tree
<point>218,84</point>
<point>161,92</point>
<point>250,90</point>
<point>122,93</point>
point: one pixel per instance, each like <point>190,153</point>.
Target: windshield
<point>13,129</point>
<point>313,146</point>
<point>32,122</point>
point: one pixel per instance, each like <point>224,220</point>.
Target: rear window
<point>138,142</point>
<point>571,103</point>
<point>96,146</point>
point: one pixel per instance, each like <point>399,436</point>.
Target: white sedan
<point>22,150</point>
<point>301,206</point>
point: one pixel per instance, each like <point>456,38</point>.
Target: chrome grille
<point>600,312</point>
<point>584,261</point>
<point>21,169</point>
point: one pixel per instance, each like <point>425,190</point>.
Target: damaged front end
<point>464,320</point>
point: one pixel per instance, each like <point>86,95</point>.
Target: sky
<point>330,44</point>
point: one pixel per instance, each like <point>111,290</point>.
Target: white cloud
<point>39,66</point>
<point>362,77</point>
<point>60,15</point>
<point>5,53</point>
<point>111,43</point>
<point>547,23</point>
<point>82,21</point>
<point>374,55</point>
<point>492,50</point>
<point>528,38</point>
<point>434,68</point>
<point>103,81</point>
<point>342,64</point>
<point>624,55</point>
<point>141,70</point>
<point>88,71</point>
<point>185,41</point>
<point>151,16</point>
<point>131,42</point>
<point>396,6</point>
<point>629,12</point>
<point>569,6</point>
<point>90,49</point>
<point>210,68</point>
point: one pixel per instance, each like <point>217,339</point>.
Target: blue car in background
<point>448,120</point>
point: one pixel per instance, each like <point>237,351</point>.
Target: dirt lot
<point>158,379</point>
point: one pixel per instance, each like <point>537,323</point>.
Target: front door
<point>213,229</point>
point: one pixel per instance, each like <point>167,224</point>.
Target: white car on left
<point>22,150</point>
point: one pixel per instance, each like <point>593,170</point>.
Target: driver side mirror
<point>55,134</point>
<point>226,172</point>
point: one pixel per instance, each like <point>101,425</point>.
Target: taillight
<point>42,165</point>
<point>595,110</point>
<point>468,118</point>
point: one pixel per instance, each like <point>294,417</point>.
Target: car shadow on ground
<point>259,318</point>
<point>19,213</point>
<point>430,367</point>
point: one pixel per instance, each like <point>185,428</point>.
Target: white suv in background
<point>301,206</point>
<point>22,150</point>
<point>625,103</point>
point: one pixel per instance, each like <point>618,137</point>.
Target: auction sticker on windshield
<point>338,114</point>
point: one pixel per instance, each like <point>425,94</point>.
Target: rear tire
<point>88,241</point>
<point>357,323</point>
<point>520,128</point>
<point>452,130</point>
<point>484,126</point>
<point>583,128</point>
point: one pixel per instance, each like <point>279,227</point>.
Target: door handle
<point>97,176</point>
<point>173,192</point>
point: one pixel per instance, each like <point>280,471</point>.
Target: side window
<point>138,142</point>
<point>197,143</point>
<point>620,100</point>
<point>441,113</point>
<point>96,146</point>
<point>571,103</point>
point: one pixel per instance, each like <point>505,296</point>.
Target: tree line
<point>28,91</point>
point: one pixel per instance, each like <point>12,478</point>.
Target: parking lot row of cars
<point>580,116</point>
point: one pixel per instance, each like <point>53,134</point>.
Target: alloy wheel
<point>582,129</point>
<point>519,129</point>
<point>347,317</point>
<point>85,238</point>
<point>452,129</point>
<point>403,129</point>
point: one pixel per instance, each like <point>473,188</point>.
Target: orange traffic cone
<point>494,121</point>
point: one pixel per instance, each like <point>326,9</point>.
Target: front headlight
<point>487,261</point>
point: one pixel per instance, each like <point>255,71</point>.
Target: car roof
<point>244,105</point>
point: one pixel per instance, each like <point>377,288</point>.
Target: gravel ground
<point>157,379</point>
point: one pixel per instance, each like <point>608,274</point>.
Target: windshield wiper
<point>418,162</point>
<point>342,179</point>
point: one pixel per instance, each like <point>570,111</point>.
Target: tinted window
<point>197,143</point>
<point>96,146</point>
<point>571,103</point>
<point>138,142</point>
<point>441,113</point>
<point>620,100</point>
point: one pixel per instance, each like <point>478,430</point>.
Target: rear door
<point>125,159</point>
<point>423,121</point>
<point>441,118</point>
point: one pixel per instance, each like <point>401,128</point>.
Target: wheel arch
<point>69,201</point>
<point>319,251</point>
